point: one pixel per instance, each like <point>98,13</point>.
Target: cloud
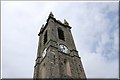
<point>97,67</point>
<point>95,22</point>
<point>97,39</point>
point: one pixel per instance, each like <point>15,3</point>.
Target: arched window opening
<point>61,34</point>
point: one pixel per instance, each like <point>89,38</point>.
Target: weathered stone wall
<point>54,63</point>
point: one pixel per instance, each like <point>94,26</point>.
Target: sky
<point>94,29</point>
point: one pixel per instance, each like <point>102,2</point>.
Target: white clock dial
<point>63,48</point>
<point>44,52</point>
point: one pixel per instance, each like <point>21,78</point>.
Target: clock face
<point>63,48</point>
<point>44,52</point>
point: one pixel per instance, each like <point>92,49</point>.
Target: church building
<point>57,56</point>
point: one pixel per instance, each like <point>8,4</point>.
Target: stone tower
<point>57,56</point>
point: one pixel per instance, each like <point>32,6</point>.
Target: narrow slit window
<point>67,67</point>
<point>54,59</point>
<point>45,37</point>
<point>61,34</point>
<point>43,71</point>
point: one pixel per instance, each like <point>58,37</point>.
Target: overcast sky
<point>94,28</point>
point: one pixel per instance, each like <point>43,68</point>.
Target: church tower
<point>57,56</point>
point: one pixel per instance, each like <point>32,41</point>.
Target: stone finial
<point>42,27</point>
<point>65,22</point>
<point>51,14</point>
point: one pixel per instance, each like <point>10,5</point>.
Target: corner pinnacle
<point>65,22</point>
<point>51,14</point>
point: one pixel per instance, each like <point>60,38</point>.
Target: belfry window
<point>61,34</point>
<point>45,37</point>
